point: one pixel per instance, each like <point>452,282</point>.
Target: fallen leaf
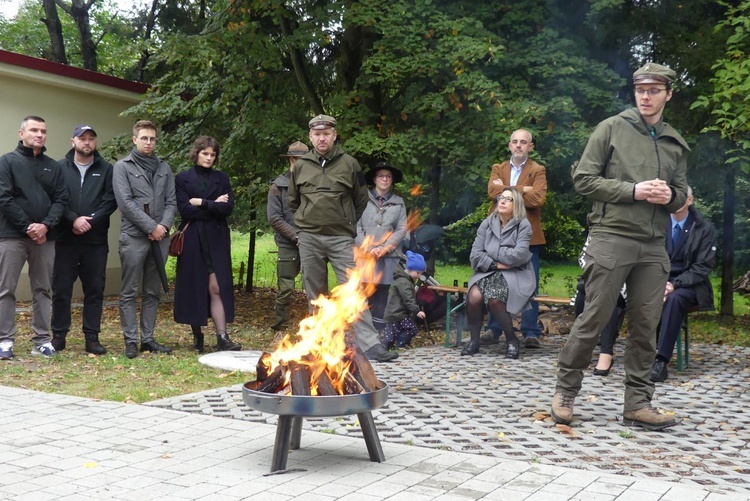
<point>566,429</point>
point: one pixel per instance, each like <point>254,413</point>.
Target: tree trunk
<point>80,12</point>
<point>54,28</point>
<point>298,63</point>
<point>727,261</point>
<point>145,55</point>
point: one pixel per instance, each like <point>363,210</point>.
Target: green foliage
<point>564,235</point>
<point>461,234</point>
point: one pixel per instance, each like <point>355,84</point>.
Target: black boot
<point>223,343</point>
<point>198,340</point>
<point>93,345</point>
<point>472,347</point>
<point>58,341</point>
<point>512,345</point>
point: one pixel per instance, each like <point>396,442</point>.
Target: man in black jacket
<point>691,246</point>
<point>81,249</point>
<point>32,200</point>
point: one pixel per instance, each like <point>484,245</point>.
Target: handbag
<point>177,241</point>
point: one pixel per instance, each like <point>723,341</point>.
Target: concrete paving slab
<point>240,361</point>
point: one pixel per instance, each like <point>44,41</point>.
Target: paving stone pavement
<point>63,448</point>
<point>493,407</point>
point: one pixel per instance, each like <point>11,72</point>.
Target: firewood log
<point>263,367</point>
<point>363,371</point>
<point>274,382</point>
<point>300,379</point>
<point>325,386</point>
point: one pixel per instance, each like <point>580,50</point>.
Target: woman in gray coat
<point>384,221</point>
<point>503,279</point>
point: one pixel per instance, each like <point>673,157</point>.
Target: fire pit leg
<point>281,445</point>
<point>367,423</point>
<point>296,433</point>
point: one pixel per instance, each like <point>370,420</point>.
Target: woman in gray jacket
<point>503,279</point>
<point>384,221</point>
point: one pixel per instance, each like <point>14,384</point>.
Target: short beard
<point>83,153</point>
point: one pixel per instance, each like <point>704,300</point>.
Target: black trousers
<point>676,307</point>
<point>89,263</point>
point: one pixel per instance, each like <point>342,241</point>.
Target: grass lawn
<point>151,377</point>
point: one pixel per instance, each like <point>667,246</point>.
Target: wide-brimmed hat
<point>397,174</point>
<point>296,149</point>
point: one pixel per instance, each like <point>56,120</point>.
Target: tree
<point>79,11</point>
<point>730,112</point>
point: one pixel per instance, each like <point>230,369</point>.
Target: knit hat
<point>415,262</point>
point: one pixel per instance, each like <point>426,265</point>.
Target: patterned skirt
<point>493,286</point>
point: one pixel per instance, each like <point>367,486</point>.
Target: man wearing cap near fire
<point>634,171</point>
<point>281,219</point>
<point>328,194</point>
<point>81,248</point>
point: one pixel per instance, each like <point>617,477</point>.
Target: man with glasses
<point>530,179</point>
<point>328,194</point>
<point>145,193</point>
<point>634,171</point>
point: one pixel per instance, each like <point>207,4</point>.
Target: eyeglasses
<point>147,139</point>
<point>384,176</point>
<point>652,92</point>
<point>504,199</point>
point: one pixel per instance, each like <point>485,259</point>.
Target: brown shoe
<point>562,408</point>
<point>647,417</point>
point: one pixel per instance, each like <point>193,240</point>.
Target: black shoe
<point>93,345</point>
<point>513,349</point>
<point>58,341</point>
<point>155,347</point>
<point>659,371</point>
<point>470,348</point>
<point>604,372</point>
<point>131,350</point>
<point>199,342</point>
<point>378,353</point>
<point>532,342</point>
<point>223,343</point>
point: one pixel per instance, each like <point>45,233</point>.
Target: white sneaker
<point>6,350</point>
<point>46,350</point>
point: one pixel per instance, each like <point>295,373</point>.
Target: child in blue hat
<point>402,304</point>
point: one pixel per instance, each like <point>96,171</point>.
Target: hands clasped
<point>655,191</point>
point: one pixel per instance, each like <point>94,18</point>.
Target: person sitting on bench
<point>691,245</point>
<point>504,279</point>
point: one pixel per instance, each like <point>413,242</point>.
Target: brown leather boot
<point>562,408</point>
<point>647,417</point>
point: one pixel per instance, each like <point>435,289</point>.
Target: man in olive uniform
<point>328,194</point>
<point>634,170</point>
<point>281,219</point>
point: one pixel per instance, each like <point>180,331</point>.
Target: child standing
<point>402,303</point>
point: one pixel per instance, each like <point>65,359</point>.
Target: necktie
<point>675,235</point>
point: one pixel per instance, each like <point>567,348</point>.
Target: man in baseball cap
<point>83,128</point>
<point>281,219</point>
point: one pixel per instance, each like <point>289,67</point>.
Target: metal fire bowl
<point>308,406</point>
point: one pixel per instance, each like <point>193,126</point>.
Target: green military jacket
<point>328,199</point>
<point>620,153</point>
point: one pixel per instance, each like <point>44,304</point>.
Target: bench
<point>683,359</point>
<point>449,290</point>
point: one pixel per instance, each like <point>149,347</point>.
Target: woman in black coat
<point>203,285</point>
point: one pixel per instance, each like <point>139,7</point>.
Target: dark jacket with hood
<point>328,199</point>
<point>94,198</point>
<point>402,297</point>
<point>699,255</point>
<point>621,152</point>
<point>32,190</point>
<point>280,216</point>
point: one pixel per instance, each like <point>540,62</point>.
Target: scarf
<point>147,163</point>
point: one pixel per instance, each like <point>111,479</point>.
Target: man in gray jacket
<point>145,193</point>
<point>634,171</point>
<point>328,194</point>
<point>32,200</point>
<point>281,219</point>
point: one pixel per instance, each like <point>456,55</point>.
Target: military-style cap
<point>654,73</point>
<point>322,122</point>
<point>83,128</point>
<point>296,149</point>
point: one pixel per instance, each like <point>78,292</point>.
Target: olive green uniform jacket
<point>328,198</point>
<point>620,153</point>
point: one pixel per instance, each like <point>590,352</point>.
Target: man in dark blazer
<point>530,179</point>
<point>691,245</point>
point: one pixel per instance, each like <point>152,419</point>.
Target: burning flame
<point>325,340</point>
<point>416,190</point>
